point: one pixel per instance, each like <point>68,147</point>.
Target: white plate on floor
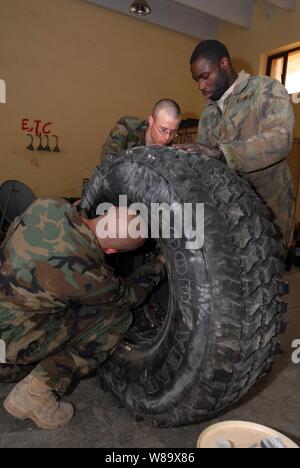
<point>239,434</point>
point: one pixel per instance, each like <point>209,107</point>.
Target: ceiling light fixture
<point>140,8</point>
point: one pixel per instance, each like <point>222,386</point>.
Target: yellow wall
<point>81,67</point>
<point>273,28</point>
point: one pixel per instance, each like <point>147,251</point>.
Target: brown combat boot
<point>33,399</point>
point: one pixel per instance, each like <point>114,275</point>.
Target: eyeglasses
<point>164,131</point>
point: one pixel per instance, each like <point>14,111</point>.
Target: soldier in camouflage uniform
<point>248,124</point>
<point>62,309</point>
<point>160,129</point>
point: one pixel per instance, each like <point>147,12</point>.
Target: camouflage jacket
<point>128,132</point>
<point>51,260</point>
<point>255,133</point>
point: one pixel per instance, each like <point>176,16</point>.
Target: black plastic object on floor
<point>15,197</point>
<point>193,356</point>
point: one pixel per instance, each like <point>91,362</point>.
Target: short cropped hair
<point>211,50</point>
<point>170,106</point>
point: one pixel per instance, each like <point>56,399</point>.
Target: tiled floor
<point>99,422</point>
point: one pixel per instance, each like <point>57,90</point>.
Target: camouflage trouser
<point>62,345</point>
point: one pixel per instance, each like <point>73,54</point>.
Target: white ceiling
<point>199,18</point>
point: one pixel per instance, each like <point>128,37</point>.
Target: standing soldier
<point>160,129</point>
<point>62,309</point>
<point>248,124</point>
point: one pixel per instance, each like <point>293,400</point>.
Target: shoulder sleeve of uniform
<point>53,203</point>
<point>118,137</point>
<point>270,84</point>
<point>273,103</point>
<point>46,209</point>
<point>131,123</point>
<point>273,140</point>
<point>41,206</point>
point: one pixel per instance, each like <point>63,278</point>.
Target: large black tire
<point>219,334</point>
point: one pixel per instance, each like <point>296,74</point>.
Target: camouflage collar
<point>242,82</point>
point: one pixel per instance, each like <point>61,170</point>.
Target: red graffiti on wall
<point>37,127</point>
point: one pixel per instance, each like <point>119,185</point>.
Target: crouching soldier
<point>62,309</point>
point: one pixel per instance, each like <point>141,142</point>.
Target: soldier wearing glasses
<point>160,129</point>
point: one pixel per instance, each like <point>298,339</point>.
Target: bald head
<point>163,123</point>
<point>119,230</point>
<point>169,106</point>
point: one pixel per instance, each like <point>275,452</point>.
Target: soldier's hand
<point>189,147</point>
<point>201,150</point>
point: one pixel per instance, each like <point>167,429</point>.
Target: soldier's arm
<point>273,142</point>
<point>117,139</point>
<point>116,293</point>
<point>203,131</point>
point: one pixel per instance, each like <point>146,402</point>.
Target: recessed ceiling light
<point>140,8</point>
